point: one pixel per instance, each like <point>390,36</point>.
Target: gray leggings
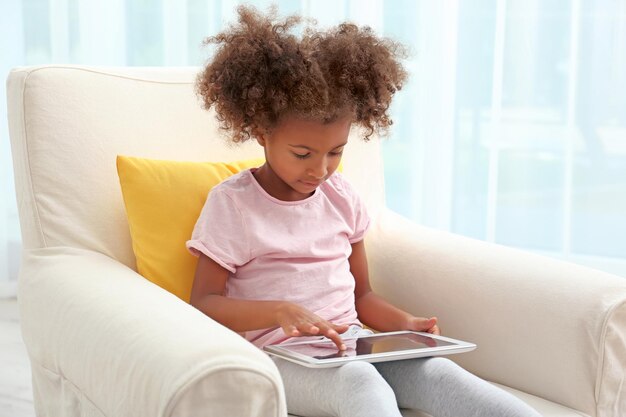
<point>359,389</point>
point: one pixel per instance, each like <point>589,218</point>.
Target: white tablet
<point>378,347</point>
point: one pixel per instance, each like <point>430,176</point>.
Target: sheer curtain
<point>512,128</point>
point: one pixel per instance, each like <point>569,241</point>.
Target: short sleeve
<point>220,232</point>
<point>360,220</point>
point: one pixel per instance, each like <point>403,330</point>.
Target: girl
<point>280,247</point>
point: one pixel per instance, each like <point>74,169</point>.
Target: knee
<point>365,387</point>
<point>441,363</point>
<point>440,366</point>
<point>445,371</point>
<point>361,376</point>
<point>357,371</point>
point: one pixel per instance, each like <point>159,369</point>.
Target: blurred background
<point>512,128</point>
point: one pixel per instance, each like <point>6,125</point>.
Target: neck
<point>276,187</point>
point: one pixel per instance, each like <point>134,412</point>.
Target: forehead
<point>311,133</point>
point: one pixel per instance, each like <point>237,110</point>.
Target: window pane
<point>536,56</point>
<point>599,190</point>
<point>36,32</point>
<point>401,152</point>
<point>476,23</point>
<point>599,204</point>
<point>144,33</point>
<point>530,200</point>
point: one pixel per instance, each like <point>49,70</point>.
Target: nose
<point>318,169</point>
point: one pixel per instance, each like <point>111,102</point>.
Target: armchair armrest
<point>546,327</point>
<point>124,347</point>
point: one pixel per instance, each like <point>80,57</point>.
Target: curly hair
<point>260,72</point>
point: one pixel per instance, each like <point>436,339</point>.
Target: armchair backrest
<point>68,123</point>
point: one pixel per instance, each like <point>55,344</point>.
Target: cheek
<point>332,166</point>
<point>287,165</point>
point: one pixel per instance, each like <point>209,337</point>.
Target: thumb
<point>421,324</point>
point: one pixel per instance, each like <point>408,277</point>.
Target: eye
<point>337,153</point>
<point>301,156</point>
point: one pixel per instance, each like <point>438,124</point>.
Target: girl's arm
<point>207,295</point>
<point>376,312</point>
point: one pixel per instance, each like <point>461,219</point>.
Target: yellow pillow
<point>163,200</point>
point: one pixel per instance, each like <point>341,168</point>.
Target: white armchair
<point>104,341</point>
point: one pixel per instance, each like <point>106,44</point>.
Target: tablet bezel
<point>458,346</point>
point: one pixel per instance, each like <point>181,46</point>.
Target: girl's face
<point>300,155</point>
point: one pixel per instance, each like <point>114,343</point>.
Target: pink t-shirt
<point>284,250</point>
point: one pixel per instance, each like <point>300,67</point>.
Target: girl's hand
<point>421,324</point>
<point>298,321</point>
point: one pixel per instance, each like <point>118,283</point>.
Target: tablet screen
<point>367,345</point>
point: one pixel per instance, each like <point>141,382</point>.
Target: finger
<point>308,329</point>
<point>292,331</point>
<point>327,329</point>
<point>314,329</point>
<point>435,328</point>
<point>341,328</point>
<point>334,336</point>
<point>422,324</point>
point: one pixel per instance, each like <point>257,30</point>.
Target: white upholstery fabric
<point>105,342</point>
<point>78,119</point>
<point>545,327</point>
<point>102,338</point>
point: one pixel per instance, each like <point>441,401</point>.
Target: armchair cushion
<point>163,200</point>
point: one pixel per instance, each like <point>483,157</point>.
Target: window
<point>511,129</point>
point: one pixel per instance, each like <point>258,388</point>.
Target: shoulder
<point>339,184</point>
<point>235,192</point>
<point>340,192</point>
<point>237,184</point>
<point>346,201</point>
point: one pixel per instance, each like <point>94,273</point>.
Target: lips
<point>311,184</point>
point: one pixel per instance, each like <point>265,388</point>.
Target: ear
<point>261,136</point>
